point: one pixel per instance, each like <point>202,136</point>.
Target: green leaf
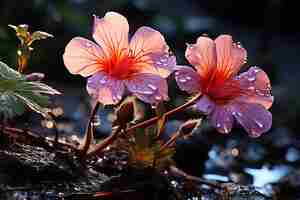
<point>9,73</point>
<point>16,93</point>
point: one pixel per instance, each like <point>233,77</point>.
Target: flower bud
<point>125,113</point>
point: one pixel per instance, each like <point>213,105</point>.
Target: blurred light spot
<point>198,23</point>
<point>268,175</point>
<point>235,152</point>
<point>58,111</point>
<point>141,4</point>
<point>47,123</point>
<point>216,177</point>
<point>292,154</point>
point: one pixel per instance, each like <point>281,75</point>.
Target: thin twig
<point>179,173</point>
<point>167,114</point>
<point>88,136</point>
<point>143,124</point>
<point>34,137</point>
<point>104,143</point>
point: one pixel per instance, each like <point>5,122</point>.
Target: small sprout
<point>26,39</point>
<point>188,128</point>
<point>125,113</point>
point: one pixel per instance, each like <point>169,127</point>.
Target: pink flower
<point>227,97</point>
<point>115,64</point>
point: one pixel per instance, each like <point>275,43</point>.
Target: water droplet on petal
<point>225,129</point>
<point>146,92</point>
<point>239,114</point>
<point>158,98</point>
<point>159,63</point>
<point>234,113</point>
<point>251,88</point>
<point>177,73</point>
<point>188,78</point>
<point>102,81</point>
<point>163,59</point>
<point>259,124</point>
<point>153,87</point>
<point>218,125</point>
<point>119,97</point>
<point>252,78</point>
<point>182,80</point>
<point>88,45</point>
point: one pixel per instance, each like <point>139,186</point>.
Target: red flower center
<point>123,64</point>
<point>220,87</point>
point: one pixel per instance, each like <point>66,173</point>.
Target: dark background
<point>266,28</point>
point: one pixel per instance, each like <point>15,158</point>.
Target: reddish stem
<point>107,141</point>
<point>100,147</point>
<point>167,114</point>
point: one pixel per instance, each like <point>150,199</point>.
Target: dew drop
<point>259,124</point>
<point>153,87</point>
<point>251,88</point>
<point>146,92</point>
<point>239,114</point>
<point>119,97</point>
<point>159,63</point>
<point>226,129</point>
<point>234,113</point>
<point>158,98</point>
<point>252,78</point>
<point>153,106</point>
<point>102,81</point>
<point>182,80</point>
<point>188,78</point>
<point>163,59</point>
<point>88,44</point>
<point>218,125</point>
<point>177,73</point>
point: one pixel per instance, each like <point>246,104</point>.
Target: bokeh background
<point>266,28</point>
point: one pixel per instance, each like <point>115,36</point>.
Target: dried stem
<point>167,114</point>
<point>88,136</point>
<point>29,137</point>
<point>179,173</point>
<point>107,141</point>
<point>143,124</point>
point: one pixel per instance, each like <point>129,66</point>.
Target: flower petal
<point>230,56</point>
<point>202,55</point>
<point>81,56</point>
<point>205,105</point>
<point>149,88</point>
<point>111,32</point>
<point>187,79</point>
<point>253,117</point>
<point>162,64</point>
<point>256,87</point>
<point>222,119</point>
<point>149,45</point>
<point>107,90</point>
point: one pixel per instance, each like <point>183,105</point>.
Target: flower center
<point>220,88</point>
<point>120,65</point>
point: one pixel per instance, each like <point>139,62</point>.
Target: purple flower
<point>115,65</point>
<point>227,97</point>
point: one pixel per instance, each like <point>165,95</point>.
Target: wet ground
<point>263,168</point>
